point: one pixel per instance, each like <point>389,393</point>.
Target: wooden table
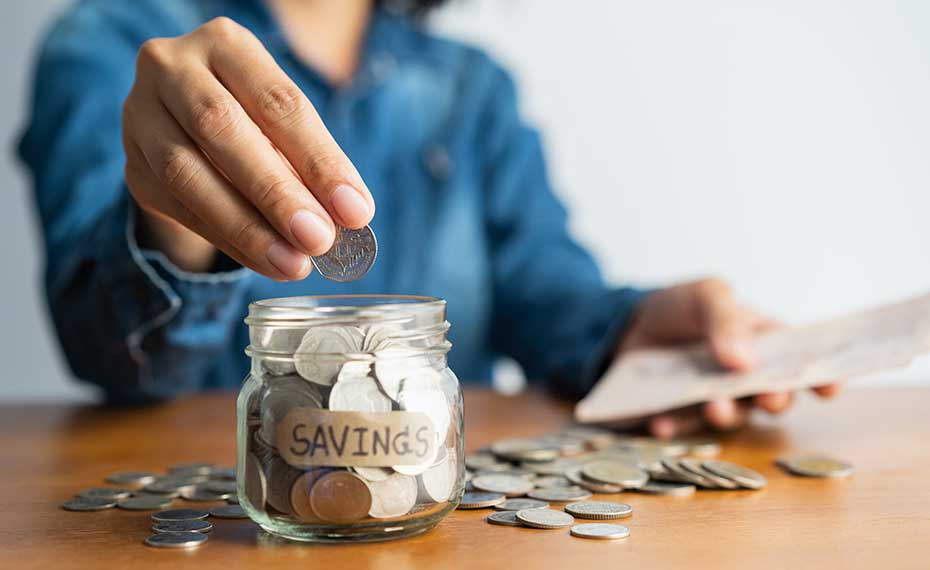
<point>878,518</point>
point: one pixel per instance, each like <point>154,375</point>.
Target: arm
<point>552,311</point>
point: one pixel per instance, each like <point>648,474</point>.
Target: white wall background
<point>783,145</point>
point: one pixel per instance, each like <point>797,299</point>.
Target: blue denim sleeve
<point>552,310</point>
<point>128,321</point>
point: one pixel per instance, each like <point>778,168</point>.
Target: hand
<point>220,142</point>
<point>706,310</point>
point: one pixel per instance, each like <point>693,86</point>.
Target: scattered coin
<point>105,493</point>
<point>560,494</point>
<point>816,466</point>
<point>233,499</point>
<point>744,476</point>
<point>222,487</point>
<point>615,473</point>
<point>601,531</point>
<point>574,477</point>
<point>145,503</point>
<point>551,481</point>
<point>545,518</point>
<point>228,512</point>
<point>169,488</point>
<point>504,518</point>
<point>176,540</point>
<point>599,510</point>
<point>668,489</point>
<point>521,504</point>
<point>695,466</point>
<point>201,494</point>
<point>200,468</point>
<point>88,504</point>
<point>180,515</point>
<point>182,526</point>
<point>480,500</point>
<point>351,256</point>
<point>133,478</point>
<point>524,450</point>
<point>508,485</point>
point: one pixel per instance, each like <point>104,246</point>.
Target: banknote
<point>649,381</point>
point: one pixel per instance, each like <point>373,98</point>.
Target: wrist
<point>183,247</point>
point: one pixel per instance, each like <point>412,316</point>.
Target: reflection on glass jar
<point>350,423</point>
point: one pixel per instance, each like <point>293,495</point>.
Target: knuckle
<point>223,28</point>
<point>155,52</point>
<point>177,167</point>
<point>215,117</point>
<point>270,191</point>
<point>281,103</point>
<point>320,166</point>
<point>248,235</point>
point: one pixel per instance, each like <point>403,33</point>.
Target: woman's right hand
<point>220,142</point>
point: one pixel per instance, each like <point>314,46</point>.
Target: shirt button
<point>438,162</point>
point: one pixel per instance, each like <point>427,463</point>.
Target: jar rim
<point>292,311</point>
<point>312,302</point>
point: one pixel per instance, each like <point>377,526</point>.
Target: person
<point>189,156</point>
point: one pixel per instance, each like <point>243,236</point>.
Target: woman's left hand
<point>706,310</point>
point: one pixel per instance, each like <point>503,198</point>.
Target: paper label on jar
<point>311,437</point>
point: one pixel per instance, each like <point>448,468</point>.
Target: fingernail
<point>287,260</point>
<point>311,230</point>
<point>350,205</point>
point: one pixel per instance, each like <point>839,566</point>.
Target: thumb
<point>729,330</point>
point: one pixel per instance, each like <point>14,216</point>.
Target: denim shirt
<point>465,210</point>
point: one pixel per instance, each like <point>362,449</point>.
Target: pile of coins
<point>145,491</point>
<point>332,379</point>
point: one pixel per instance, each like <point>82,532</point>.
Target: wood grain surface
<point>879,518</point>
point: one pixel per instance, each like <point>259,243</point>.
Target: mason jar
<point>350,423</point>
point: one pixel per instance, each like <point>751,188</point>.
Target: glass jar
<point>350,422</point>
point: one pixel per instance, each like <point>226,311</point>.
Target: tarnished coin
<point>694,466</point>
<point>600,510</point>
<point>340,497</point>
<point>105,493</point>
<point>668,489</point>
<point>180,515</point>
<point>560,494</point>
<point>145,503</point>
<point>601,531</point>
<point>351,256</point>
<point>744,476</point>
<point>545,518</point>
<point>300,494</point>
<point>480,500</point>
<point>520,504</point>
<point>132,478</point>
<point>504,518</point>
<point>182,526</point>
<point>816,466</point>
<point>81,504</point>
<point>228,512</point>
<point>502,483</point>
<point>393,497</point>
<point>615,473</point>
<point>356,392</point>
<point>176,540</point>
<point>256,487</point>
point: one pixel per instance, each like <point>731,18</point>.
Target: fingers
<point>726,414</point>
<point>774,402</point>
<point>676,423</point>
<point>728,327</point>
<point>828,390</point>
<point>211,206</point>
<point>286,116</point>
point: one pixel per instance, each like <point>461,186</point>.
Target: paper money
<point>650,381</point>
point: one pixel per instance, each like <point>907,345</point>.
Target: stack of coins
<point>315,454</point>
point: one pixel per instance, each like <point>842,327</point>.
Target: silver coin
<point>551,481</point>
<point>679,473</point>
<point>223,473</point>
<point>196,468</point>
<point>233,499</point>
<point>437,483</point>
<point>82,504</point>
<point>816,466</point>
<point>574,477</point>
<point>318,358</point>
<point>560,494</point>
<point>601,531</point>
<point>508,485</point>
<point>520,504</point>
<point>668,489</point>
<point>105,493</point>
<point>393,497</point>
<point>134,478</point>
<point>694,466</point>
<point>145,503</point>
<point>528,450</point>
<point>220,487</point>
<point>180,515</point>
<point>504,518</point>
<point>599,510</point>
<point>480,500</point>
<point>202,495</point>
<point>284,394</point>
<point>176,540</point>
<point>373,473</point>
<point>351,256</point>
<point>182,526</point>
<point>615,473</point>
<point>545,518</point>
<point>167,488</point>
<point>745,476</point>
<point>356,392</point>
<point>484,462</point>
<point>228,512</point>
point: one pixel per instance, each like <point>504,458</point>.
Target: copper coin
<point>255,484</point>
<point>340,497</point>
<point>300,494</point>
